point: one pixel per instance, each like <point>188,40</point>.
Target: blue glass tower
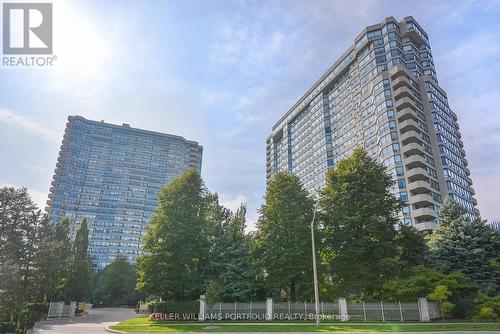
<point>110,174</point>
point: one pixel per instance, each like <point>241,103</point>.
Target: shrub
<point>486,313</point>
<point>32,313</point>
<point>7,327</point>
<point>488,308</point>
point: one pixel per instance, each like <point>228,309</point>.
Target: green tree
<point>472,248</point>
<point>212,294</point>
<point>116,284</point>
<point>412,247</point>
<point>62,252</point>
<point>283,238</point>
<point>26,266</point>
<point>237,273</point>
<point>79,284</point>
<point>359,215</point>
<point>423,281</point>
<point>441,294</point>
<point>174,262</point>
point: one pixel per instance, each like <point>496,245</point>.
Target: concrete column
<point>72,309</point>
<point>344,316</point>
<point>423,308</point>
<point>269,309</point>
<point>201,315</point>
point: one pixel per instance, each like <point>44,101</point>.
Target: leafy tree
<point>412,247</point>
<point>116,284</point>
<point>359,215</point>
<point>79,285</point>
<point>174,260</point>
<point>440,294</point>
<point>423,281</point>
<point>472,248</point>
<point>488,308</point>
<point>283,238</point>
<point>212,294</point>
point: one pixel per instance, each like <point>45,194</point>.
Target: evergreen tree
<point>359,215</point>
<point>62,252</point>
<point>458,245</point>
<point>79,284</point>
<point>27,267</point>
<point>283,238</point>
<point>236,274</point>
<point>175,251</point>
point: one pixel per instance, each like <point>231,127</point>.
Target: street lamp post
<point>315,270</point>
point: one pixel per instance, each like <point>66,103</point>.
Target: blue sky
<point>222,72</point>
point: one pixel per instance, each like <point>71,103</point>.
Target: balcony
<point>425,214</point>
<point>419,187</point>
<point>402,92</point>
<point>425,226</point>
<point>403,103</point>
<point>423,200</point>
<point>407,125</point>
<point>400,82</point>
<point>416,174</point>
<point>415,161</point>
<point>410,137</point>
<point>412,149</point>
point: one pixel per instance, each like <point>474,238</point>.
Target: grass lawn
<point>146,325</point>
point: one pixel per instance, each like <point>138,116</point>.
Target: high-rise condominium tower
<point>111,174</point>
<point>382,94</point>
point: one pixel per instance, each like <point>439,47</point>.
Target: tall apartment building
<point>111,175</point>
<point>382,94</point>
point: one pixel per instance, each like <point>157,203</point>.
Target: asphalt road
<point>94,322</point>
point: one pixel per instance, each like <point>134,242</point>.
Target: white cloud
<point>231,201</point>
<point>27,123</point>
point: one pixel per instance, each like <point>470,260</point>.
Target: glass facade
<point>110,174</point>
<point>383,95</point>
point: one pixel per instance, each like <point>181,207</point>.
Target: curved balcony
<point>410,137</point>
<point>417,173</point>
<point>415,161</point>
<point>400,82</point>
<point>402,92</point>
<point>474,201</point>
<point>422,200</point>
<point>406,113</point>
<point>403,103</point>
<point>425,226</point>
<point>399,71</point>
<point>412,149</point>
<point>419,187</point>
<point>407,125</point>
<point>425,214</point>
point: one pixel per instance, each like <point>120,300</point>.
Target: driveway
<point>94,322</point>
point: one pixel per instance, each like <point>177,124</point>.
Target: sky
<point>223,72</point>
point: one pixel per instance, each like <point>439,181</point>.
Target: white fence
<point>59,310</point>
<point>420,310</point>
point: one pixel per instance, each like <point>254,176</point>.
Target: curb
<point>108,329</point>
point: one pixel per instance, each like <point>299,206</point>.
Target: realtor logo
<point>27,28</point>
